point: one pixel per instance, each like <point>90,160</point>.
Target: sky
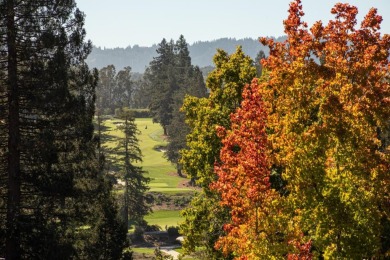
<point>123,23</point>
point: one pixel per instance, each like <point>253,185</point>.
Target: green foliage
<point>109,237</point>
<point>173,231</point>
<point>114,90</point>
<point>135,199</point>
<point>134,112</point>
<point>170,77</point>
<point>203,225</point>
<point>53,203</point>
<point>204,219</point>
<point>203,115</point>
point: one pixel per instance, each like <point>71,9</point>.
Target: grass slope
<point>159,170</point>
<point>164,218</point>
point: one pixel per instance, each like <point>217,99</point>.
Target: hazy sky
<point>122,23</point>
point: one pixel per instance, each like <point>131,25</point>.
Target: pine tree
<point>135,205</point>
<point>190,83</point>
<point>170,77</point>
<point>163,83</point>
<point>259,67</point>
<point>48,172</point>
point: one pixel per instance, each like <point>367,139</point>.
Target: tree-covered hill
<point>201,53</point>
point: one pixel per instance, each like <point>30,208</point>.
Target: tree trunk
<point>165,130</point>
<point>127,162</point>
<point>13,196</point>
<point>179,171</point>
<point>126,206</point>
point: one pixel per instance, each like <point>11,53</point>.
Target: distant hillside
<point>138,58</point>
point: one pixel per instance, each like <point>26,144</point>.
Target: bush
<point>151,228</point>
<point>173,231</point>
<point>138,234</point>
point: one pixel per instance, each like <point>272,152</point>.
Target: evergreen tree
<point>183,61</point>
<point>190,82</point>
<point>161,75</point>
<point>135,205</point>
<point>48,170</point>
<point>259,67</point>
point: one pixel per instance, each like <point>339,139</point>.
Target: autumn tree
<point>204,218</point>
<point>244,182</point>
<point>328,104</point>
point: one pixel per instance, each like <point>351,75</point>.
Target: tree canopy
<point>319,118</point>
<point>53,201</point>
<point>204,217</point>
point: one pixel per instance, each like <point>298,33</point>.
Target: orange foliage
<point>243,175</point>
<point>328,101</point>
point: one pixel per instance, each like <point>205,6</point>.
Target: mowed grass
<point>143,250</point>
<point>164,218</point>
<point>159,170</point>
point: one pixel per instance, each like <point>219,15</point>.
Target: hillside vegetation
<point>202,52</point>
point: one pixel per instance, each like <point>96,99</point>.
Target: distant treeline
<point>201,53</point>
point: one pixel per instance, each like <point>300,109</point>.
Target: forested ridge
<point>282,151</point>
<point>202,52</point>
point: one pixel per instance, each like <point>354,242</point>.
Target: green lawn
<point>143,250</point>
<point>161,172</point>
<point>164,218</point>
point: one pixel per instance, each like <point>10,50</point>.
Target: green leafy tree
<point>204,218</point>
<point>105,90</point>
<point>124,89</point>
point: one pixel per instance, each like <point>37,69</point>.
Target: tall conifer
<point>48,170</point>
